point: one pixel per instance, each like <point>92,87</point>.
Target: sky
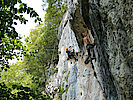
<point>24,29</point>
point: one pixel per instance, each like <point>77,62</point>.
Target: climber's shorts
<point>89,46</point>
<point>71,55</point>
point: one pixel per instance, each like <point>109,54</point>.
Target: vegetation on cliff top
<point>27,79</point>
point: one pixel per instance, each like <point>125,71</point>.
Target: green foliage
<point>9,38</point>
<point>42,45</point>
<point>67,76</point>
<point>55,11</point>
<point>41,50</point>
<point>62,90</point>
<point>23,93</point>
<point>17,84</point>
<point>66,97</point>
<point>27,80</point>
<point>16,74</point>
<point>9,42</point>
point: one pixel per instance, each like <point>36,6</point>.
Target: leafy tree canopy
<point>41,46</point>
<point>10,41</point>
<point>9,38</point>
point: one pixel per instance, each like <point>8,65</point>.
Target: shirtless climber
<point>89,47</point>
<point>55,99</point>
<point>70,53</point>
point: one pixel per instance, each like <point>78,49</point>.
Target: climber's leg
<point>76,56</point>
<point>89,55</point>
<point>70,56</point>
<point>88,50</point>
<point>87,60</point>
<point>93,53</point>
<point>91,46</point>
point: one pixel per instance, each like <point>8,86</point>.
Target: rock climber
<point>89,46</point>
<point>70,53</point>
<point>55,99</point>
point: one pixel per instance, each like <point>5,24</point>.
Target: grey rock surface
<point>82,84</point>
<point>110,77</point>
<point>111,21</point>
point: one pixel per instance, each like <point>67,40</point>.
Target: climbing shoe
<point>87,61</point>
<point>93,58</point>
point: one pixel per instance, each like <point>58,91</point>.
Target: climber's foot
<point>87,61</point>
<point>93,58</point>
<point>76,59</point>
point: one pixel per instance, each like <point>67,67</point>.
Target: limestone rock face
<point>112,25</point>
<point>78,77</point>
<point>110,76</point>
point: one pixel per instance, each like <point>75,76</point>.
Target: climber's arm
<point>70,48</point>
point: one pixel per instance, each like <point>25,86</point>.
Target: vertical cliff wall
<point>112,25</point>
<point>78,77</point>
<point>110,76</point>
